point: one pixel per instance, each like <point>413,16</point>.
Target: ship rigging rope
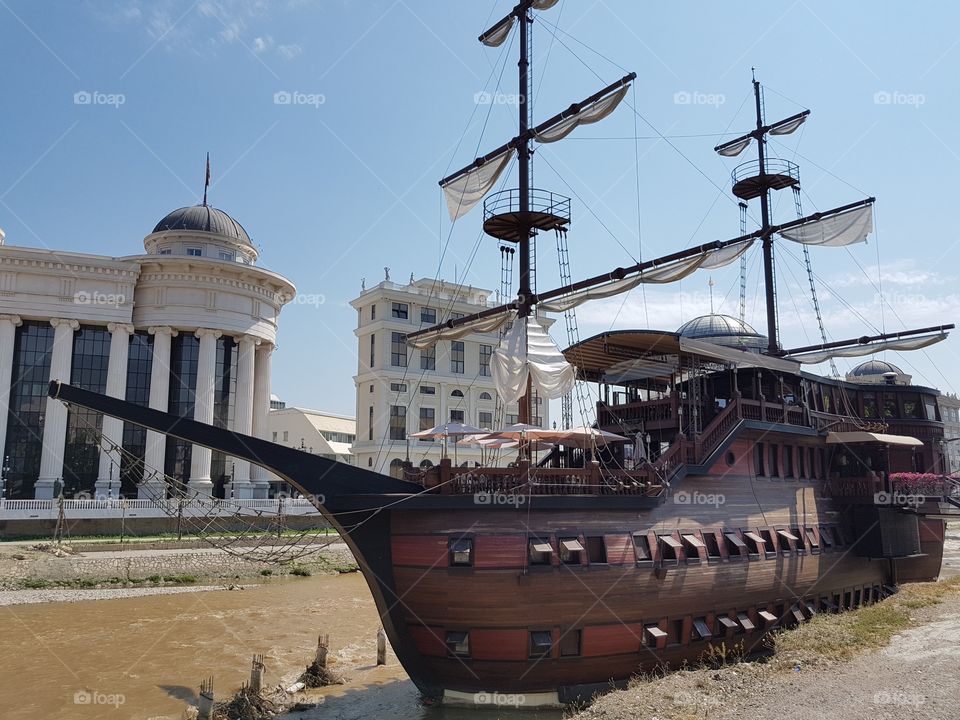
<point>262,550</point>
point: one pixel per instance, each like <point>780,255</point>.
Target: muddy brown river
<point>143,658</point>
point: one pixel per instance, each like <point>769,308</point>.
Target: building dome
<point>874,367</point>
<point>204,218</point>
<point>723,330</point>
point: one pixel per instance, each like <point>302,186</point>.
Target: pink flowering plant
<point>911,483</point>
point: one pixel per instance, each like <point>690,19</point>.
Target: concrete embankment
<point>25,566</point>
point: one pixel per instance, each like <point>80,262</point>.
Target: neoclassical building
<point>188,327</point>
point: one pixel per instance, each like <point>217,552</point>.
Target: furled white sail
<point>915,343</point>
<point>734,149</point>
<point>591,113</point>
<point>527,350</point>
<point>666,273</point>
<point>482,325</point>
<point>845,228</point>
<point>499,32</point>
<point>465,191</point>
<point>785,128</point>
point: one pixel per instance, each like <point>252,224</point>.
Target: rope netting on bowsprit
<point>260,534</point>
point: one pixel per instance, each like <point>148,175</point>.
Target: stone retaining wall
<point>201,564</point>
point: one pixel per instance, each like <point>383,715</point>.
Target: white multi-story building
<point>314,431</point>
<point>188,328</point>
<point>950,413</point>
<point>401,390</point>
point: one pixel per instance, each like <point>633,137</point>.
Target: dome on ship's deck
<point>874,367</point>
<point>723,330</point>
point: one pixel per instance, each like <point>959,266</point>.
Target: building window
<point>456,357</point>
<point>398,422</point>
<point>370,424</point>
<point>570,549</point>
<point>398,387</point>
<point>184,353</point>
<point>165,251</point>
<point>457,316</point>
<point>194,252</point>
<point>225,393</point>
<point>139,366</point>
<point>485,396</point>
<point>274,435</point>
<point>401,311</point>
<point>457,393</point>
<point>486,419</point>
<point>486,352</point>
<point>539,551</point>
<point>774,460</point>
<point>456,416</point>
<point>428,418</point>
<point>398,349</point>
<point>428,316</point>
<point>512,419</point>
<point>428,390</point>
<point>760,454</point>
<point>396,468</point>
<point>28,403</point>
<point>224,255</point>
<point>373,350</point>
<point>428,358</point>
<point>373,311</point>
<point>286,435</point>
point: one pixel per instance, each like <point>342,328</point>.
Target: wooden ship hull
<point>663,574</point>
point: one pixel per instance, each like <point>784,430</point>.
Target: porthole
<point>731,459</point>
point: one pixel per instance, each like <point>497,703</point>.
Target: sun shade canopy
<point>860,436</point>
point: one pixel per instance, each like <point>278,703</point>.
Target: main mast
<point>755,179</point>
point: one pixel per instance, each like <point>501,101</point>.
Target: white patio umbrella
<point>584,436</point>
<point>445,431</point>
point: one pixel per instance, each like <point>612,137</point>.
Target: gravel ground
<point>29,597</point>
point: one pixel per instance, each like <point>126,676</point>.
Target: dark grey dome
<point>723,330</point>
<point>204,218</point>
<point>874,367</point>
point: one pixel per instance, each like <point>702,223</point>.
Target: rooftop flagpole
<point>206,182</point>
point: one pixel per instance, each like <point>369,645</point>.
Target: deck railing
<point>524,479</point>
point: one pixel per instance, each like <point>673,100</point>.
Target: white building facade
<point>401,390</point>
<point>313,431</point>
<point>950,413</point>
<point>189,328</point>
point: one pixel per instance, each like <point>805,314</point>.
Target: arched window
<point>485,396</point>
<point>456,393</point>
<point>396,468</point>
<point>425,464</point>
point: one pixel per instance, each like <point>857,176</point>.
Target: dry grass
<point>829,639</point>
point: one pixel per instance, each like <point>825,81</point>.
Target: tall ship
<point>722,492</point>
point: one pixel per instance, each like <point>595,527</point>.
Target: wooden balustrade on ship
<point>523,480</point>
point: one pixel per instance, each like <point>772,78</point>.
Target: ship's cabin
<point>679,396</point>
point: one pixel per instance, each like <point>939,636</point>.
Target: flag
<point>206,181</point>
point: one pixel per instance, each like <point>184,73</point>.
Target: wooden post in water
<point>205,703</point>
<point>381,647</point>
<point>256,674</point>
<point>323,644</point>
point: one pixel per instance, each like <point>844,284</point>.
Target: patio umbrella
<point>446,430</point>
<point>584,437</point>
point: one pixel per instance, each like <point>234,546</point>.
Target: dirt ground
<point>915,676</point>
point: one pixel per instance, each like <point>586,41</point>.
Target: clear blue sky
<point>334,191</point>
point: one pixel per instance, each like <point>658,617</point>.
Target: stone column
<point>108,476</point>
<point>200,457</point>
<point>153,486</point>
<point>261,409</point>
<point>55,418</point>
<point>8,333</point>
<point>241,487</point>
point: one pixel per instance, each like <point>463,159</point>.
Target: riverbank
<point>76,570</point>
<point>890,661</point>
